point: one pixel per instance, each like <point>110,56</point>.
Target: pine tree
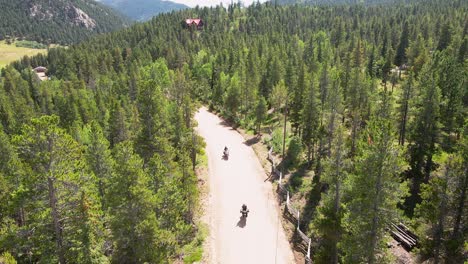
<point>334,108</point>
<point>400,57</point>
<point>442,208</point>
<point>451,79</point>
<point>445,37</point>
<point>310,120</point>
<point>233,96</point>
<point>404,109</point>
<point>329,223</point>
<point>424,135</point>
<point>133,221</point>
<point>59,182</point>
<point>417,55</point>
<point>373,190</point>
<point>99,159</point>
<point>278,95</point>
<point>260,114</point>
<point>298,99</point>
<point>153,107</point>
<point>118,127</point>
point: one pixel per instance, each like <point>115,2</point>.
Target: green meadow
<point>9,53</point>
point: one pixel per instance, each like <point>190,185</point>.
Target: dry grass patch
<point>10,53</point>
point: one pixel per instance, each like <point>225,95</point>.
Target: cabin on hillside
<point>41,73</point>
<point>196,23</point>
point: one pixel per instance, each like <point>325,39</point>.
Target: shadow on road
<point>227,124</point>
<point>252,141</point>
<point>242,222</point>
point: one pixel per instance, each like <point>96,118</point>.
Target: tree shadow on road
<point>227,124</point>
<point>252,141</point>
<point>242,222</point>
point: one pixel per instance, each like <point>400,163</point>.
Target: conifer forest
<point>99,163</point>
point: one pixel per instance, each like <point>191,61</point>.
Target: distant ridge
<point>142,10</point>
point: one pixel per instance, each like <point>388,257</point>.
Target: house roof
<point>195,21</point>
<point>40,69</point>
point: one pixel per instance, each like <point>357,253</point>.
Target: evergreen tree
<point>233,96</point>
<point>445,37</point>
<point>133,221</point>
<point>152,106</point>
<point>64,190</point>
<point>400,57</point>
<point>99,158</point>
<point>310,120</point>
<point>424,135</point>
<point>441,209</point>
<point>329,223</point>
<point>260,114</point>
<point>373,190</point>
<point>404,109</point>
<point>451,79</point>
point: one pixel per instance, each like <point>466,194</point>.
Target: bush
<point>294,151</point>
<point>277,140</point>
<point>30,44</point>
<point>7,258</point>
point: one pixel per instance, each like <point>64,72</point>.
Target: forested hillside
<point>142,10</point>
<point>97,163</point>
<point>60,21</point>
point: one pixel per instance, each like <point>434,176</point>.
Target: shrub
<point>294,151</point>
<point>30,44</point>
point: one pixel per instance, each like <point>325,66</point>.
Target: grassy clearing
<point>10,53</point>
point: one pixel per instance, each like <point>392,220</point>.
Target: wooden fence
<point>291,213</point>
<point>399,231</point>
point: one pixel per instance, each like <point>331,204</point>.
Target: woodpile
<point>404,236</point>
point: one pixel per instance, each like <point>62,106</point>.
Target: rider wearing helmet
<point>244,207</point>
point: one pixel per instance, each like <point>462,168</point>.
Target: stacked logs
<point>402,234</point>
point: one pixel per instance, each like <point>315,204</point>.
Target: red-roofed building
<point>194,22</point>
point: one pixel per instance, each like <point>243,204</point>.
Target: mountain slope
<point>58,21</point>
<point>142,10</point>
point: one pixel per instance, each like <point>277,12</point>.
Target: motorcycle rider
<point>244,210</point>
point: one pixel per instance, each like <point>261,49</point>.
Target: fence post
<point>298,214</point>
<point>281,177</point>
<point>287,198</point>
<point>308,249</point>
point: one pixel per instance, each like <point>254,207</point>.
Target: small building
<point>41,73</point>
<point>194,22</point>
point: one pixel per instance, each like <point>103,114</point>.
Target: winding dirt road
<point>261,238</point>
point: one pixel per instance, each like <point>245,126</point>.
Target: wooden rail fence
<point>399,231</point>
<point>290,212</point>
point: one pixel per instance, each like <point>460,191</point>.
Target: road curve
<point>261,239</point>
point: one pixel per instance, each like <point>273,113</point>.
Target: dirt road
<point>240,179</point>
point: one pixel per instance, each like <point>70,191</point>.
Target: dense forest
<point>97,164</point>
<point>59,22</point>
